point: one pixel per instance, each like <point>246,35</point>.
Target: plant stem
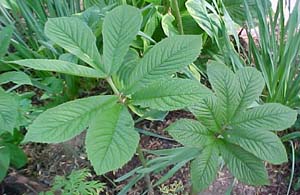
<point>139,150</point>
<point>147,176</point>
<point>112,85</point>
<point>178,16</point>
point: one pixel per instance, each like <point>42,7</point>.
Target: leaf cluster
<point>229,124</point>
<point>146,82</point>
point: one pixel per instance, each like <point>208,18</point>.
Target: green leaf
<point>131,59</point>
<point>243,165</point>
<point>190,133</point>
<point>120,27</point>
<point>270,116</point>
<point>149,114</point>
<point>111,140</point>
<point>5,37</point>
<point>167,25</point>
<point>171,172</point>
<point>236,9</point>
<point>209,22</point>
<point>208,112</point>
<point>67,120</point>
<point>251,85</point>
<point>60,66</point>
<point>76,37</point>
<point>263,144</point>
<point>172,94</point>
<point>225,85</point>
<point>4,161</point>
<point>17,77</point>
<point>8,112</point>
<point>17,157</point>
<point>204,168</point>
<point>166,57</point>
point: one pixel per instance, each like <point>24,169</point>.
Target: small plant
<point>10,153</point>
<point>75,184</point>
<point>232,125</point>
<point>14,110</point>
<point>146,82</point>
<point>175,188</point>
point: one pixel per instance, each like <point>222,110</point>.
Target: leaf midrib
<point>111,138</point>
<point>206,163</point>
<point>81,116</point>
<point>147,72</point>
<point>257,118</point>
<point>166,96</point>
<point>92,60</point>
<point>240,159</point>
<point>243,96</point>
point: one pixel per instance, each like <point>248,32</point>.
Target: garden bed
<point>47,161</point>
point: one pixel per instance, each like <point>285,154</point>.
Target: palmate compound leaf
<point>225,85</point>
<point>243,165</point>
<point>171,94</point>
<point>67,120</point>
<point>59,66</point>
<point>243,140</point>
<point>270,116</point>
<point>204,168</point>
<point>263,144</point>
<point>111,140</point>
<point>76,37</point>
<point>165,58</point>
<point>191,133</point>
<point>120,27</point>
